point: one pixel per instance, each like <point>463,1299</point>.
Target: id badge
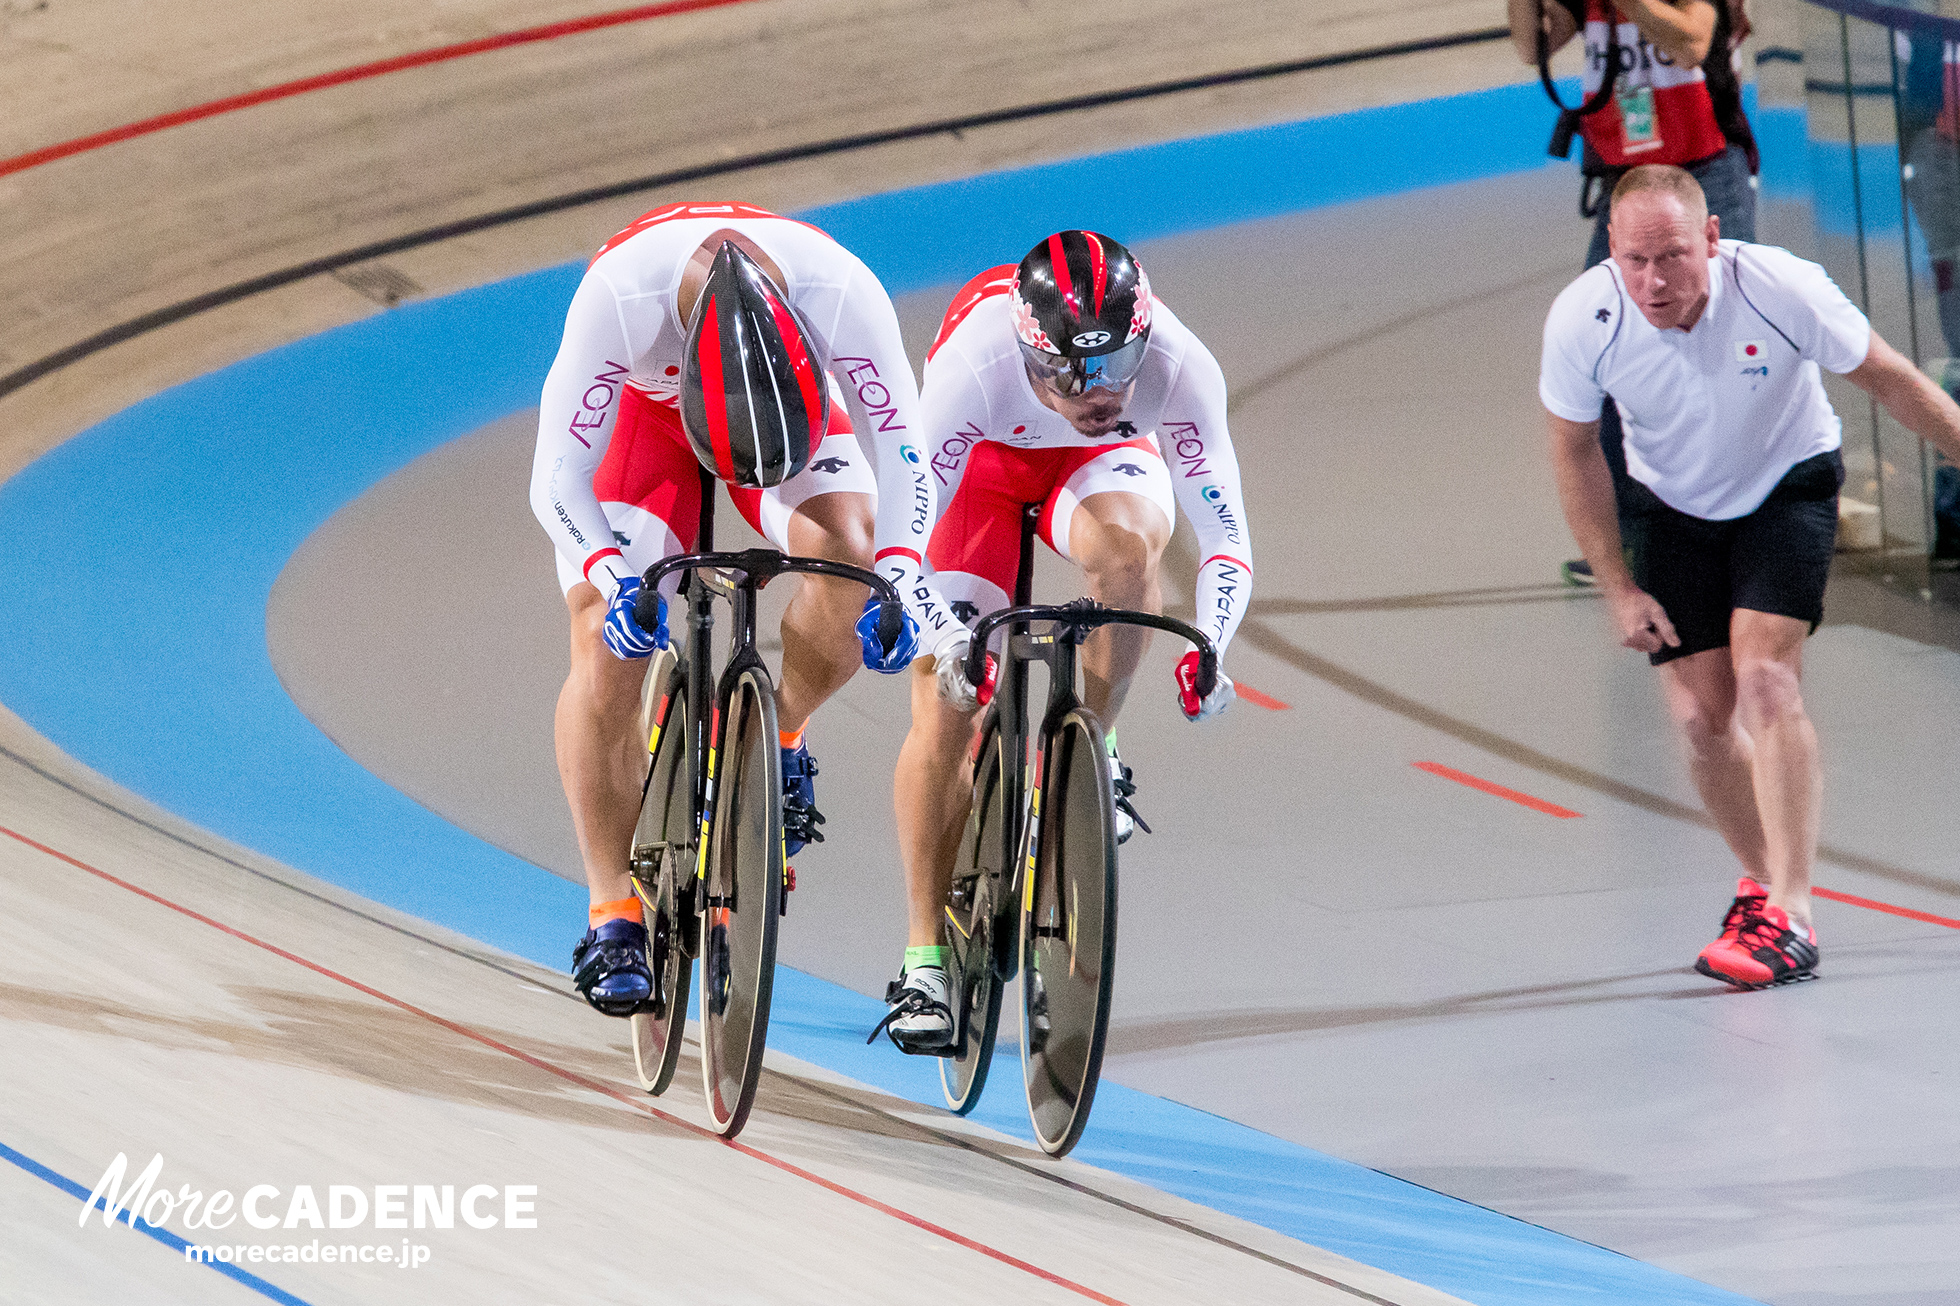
<point>1638,126</point>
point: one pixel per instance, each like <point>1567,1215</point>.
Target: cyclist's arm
<point>867,356</point>
<point>1205,473</point>
<point>957,417</point>
<point>575,424</point>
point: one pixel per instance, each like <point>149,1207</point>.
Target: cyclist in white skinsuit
<point>1109,442</point>
<point>616,484</point>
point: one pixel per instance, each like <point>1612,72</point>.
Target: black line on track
<point>954,1140</point>
<point>30,764</point>
<point>231,294</point>
<point>1055,1177</point>
<point>271,281</point>
<point>1260,633</point>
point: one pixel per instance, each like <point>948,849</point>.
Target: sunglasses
<point>1074,376</point>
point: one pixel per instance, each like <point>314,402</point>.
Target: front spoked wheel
<point>1068,934</point>
<point>743,900</point>
<point>978,913</point>
<point>664,844</point>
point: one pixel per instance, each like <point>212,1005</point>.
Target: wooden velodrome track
<point>342,1042</point>
<point>298,1057</point>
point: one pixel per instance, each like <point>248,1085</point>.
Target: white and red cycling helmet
<point>754,400</point>
<point>1082,309</point>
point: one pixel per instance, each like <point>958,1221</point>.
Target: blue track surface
<point>166,686</point>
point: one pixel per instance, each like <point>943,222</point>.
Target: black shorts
<point>1776,559</point>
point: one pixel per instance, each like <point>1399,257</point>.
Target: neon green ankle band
<point>930,955</point>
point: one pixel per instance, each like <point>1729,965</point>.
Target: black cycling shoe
<point>609,966</point>
<point>800,815</point>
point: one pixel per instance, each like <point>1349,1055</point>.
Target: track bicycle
<point>1034,883</point>
<point>708,862</point>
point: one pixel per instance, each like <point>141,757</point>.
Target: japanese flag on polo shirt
<point>1714,415</point>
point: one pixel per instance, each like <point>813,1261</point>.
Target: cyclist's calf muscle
<point>600,758</point>
<point>820,646</point>
<point>932,791</point>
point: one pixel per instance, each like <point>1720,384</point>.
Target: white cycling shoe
<point>921,1015</point>
<point>1122,783</point>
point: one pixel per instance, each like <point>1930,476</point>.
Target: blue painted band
<point>163,683</point>
<point>142,1226</point>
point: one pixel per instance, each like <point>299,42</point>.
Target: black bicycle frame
<point>1075,621</point>
<point>1070,623</point>
<point>735,576</point>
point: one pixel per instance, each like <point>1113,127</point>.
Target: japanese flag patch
<point>1751,351</point>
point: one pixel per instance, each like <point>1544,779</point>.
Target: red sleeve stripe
<point>886,553</point>
<point>670,212</point>
<point>598,554</point>
<point>994,281</point>
<point>1058,256</point>
<point>1224,557</point>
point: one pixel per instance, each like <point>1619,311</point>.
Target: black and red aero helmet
<point>1082,312</point>
<point>755,401</point>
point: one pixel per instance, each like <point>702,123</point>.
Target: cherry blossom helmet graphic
<point>754,398</point>
<point>1081,306</point>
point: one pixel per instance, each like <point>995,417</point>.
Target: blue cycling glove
<point>623,633</point>
<point>876,656</point>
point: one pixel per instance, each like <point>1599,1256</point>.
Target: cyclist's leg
<point>974,553</point>
<point>1112,517</point>
<point>651,493</point>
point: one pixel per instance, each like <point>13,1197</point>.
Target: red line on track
<point>1886,907</point>
<point>1497,790</point>
<point>359,72</point>
<point>573,1077</point>
<point>1257,699</point>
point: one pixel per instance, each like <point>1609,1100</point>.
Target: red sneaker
<point>1749,898</point>
<point>1763,950</point>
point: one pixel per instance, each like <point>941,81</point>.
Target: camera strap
<point>1568,119</point>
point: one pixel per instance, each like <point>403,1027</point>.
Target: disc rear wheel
<point>1068,934</point>
<point>664,844</point>
<point>742,901</point>
<point>978,909</point>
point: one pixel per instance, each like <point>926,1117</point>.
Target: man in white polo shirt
<point>1712,348</point>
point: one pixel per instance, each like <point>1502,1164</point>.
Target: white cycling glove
<point>1202,709</point>
<point>954,687</point>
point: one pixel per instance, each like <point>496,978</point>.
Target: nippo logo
<point>909,454</point>
<point>1751,351</point>
<point>1212,494</point>
<point>1091,339</point>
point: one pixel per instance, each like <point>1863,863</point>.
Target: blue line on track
<point>142,1226</point>
<point>164,684</point>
